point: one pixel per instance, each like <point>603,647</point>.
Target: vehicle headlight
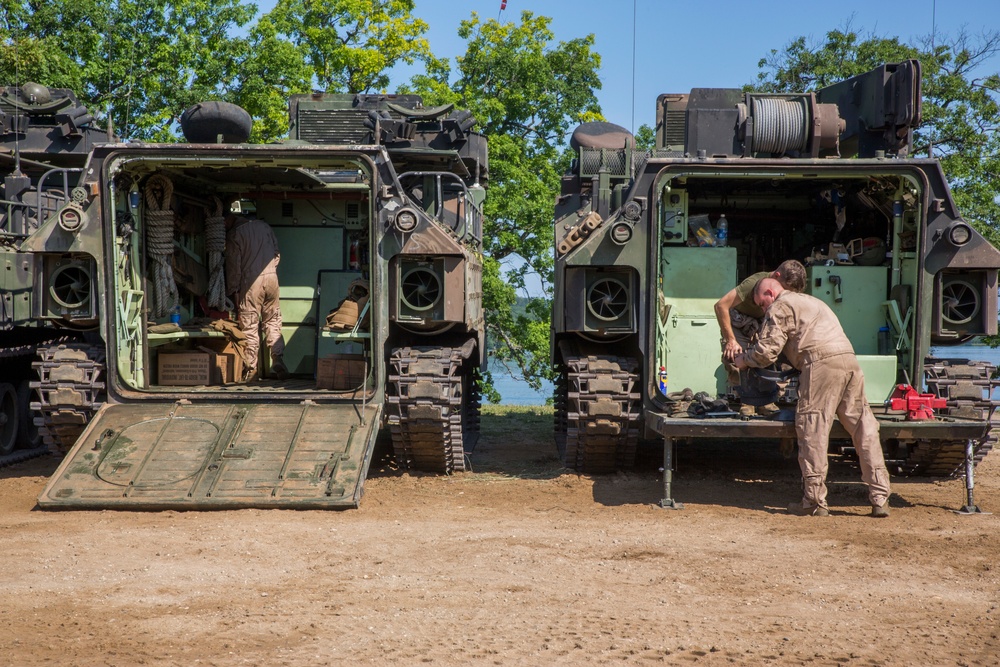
<point>405,220</point>
<point>621,233</point>
<point>959,233</point>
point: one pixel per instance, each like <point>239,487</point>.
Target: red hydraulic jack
<point>919,407</point>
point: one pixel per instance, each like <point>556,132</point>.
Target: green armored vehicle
<point>114,260</point>
<point>826,178</point>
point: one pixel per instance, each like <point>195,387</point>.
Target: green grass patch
<point>516,442</point>
<point>535,420</point>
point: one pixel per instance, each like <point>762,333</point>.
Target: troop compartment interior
<point>870,276</point>
<point>319,209</point>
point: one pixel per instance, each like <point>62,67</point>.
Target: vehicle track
<point>433,407</point>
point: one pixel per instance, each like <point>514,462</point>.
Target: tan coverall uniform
<point>810,335</point>
<point>252,274</point>
<point>745,319</point>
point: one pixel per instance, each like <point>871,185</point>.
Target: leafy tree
<point>140,62</point>
<point>352,44</point>
<point>273,71</point>
<point>645,138</point>
<point>339,46</point>
<point>527,94</point>
<point>34,47</point>
<point>31,59</point>
<point>960,105</point>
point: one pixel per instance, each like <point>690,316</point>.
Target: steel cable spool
<point>779,125</point>
<point>160,240</point>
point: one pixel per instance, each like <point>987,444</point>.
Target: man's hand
<point>722,307</point>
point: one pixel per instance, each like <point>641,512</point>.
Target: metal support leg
<point>668,476</point>
<point>970,506</point>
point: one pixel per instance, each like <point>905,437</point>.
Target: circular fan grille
<point>420,288</point>
<point>959,301</point>
<point>607,299</point>
<point>70,286</point>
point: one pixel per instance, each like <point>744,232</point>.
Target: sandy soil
<point>515,563</point>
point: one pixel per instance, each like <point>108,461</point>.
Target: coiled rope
<point>160,241</point>
<point>215,244</point>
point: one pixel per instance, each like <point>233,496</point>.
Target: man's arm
<point>722,307</point>
<point>770,341</point>
<point>274,244</point>
<point>234,261</point>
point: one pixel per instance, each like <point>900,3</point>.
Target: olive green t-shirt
<point>744,295</point>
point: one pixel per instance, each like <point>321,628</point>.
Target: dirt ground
<point>517,562</point>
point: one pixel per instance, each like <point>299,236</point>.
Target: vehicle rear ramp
<point>185,456</point>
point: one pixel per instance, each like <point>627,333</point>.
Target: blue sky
<point>649,47</point>
<point>679,45</point>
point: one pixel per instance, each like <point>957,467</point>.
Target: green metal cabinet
<point>856,295</point>
<point>688,337</point>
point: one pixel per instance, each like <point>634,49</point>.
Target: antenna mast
<point>930,141</point>
<point>632,128</point>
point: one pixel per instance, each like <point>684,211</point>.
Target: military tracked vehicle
<point>117,325</point>
<point>826,178</point>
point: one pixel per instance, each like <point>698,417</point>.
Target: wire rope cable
<point>780,125</point>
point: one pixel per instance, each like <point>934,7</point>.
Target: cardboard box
<point>184,368</point>
<point>221,367</point>
<point>341,372</point>
<point>227,361</point>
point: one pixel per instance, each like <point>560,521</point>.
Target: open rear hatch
<point>218,456</point>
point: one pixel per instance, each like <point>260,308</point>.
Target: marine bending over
<point>808,334</point>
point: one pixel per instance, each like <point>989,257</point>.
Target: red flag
<point>503,5</point>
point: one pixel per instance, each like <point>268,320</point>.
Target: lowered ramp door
<point>221,456</point>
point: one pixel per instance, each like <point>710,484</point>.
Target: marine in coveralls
<point>740,318</point>
<point>252,258</point>
<point>809,335</point>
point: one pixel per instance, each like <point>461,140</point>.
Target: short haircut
<point>758,289</point>
<point>793,275</point>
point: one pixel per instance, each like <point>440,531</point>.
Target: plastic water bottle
<point>663,380</point>
<point>175,315</point>
<point>722,232</point>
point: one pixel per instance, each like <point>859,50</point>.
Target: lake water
<point>515,391</point>
<point>970,351</point>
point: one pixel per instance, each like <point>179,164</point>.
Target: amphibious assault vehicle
<point>117,339</point>
<point>826,178</point>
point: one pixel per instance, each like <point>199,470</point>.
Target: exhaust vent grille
<point>674,130</point>
<point>333,126</point>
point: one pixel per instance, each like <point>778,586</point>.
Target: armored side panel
<point>46,137</point>
<point>825,178</point>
